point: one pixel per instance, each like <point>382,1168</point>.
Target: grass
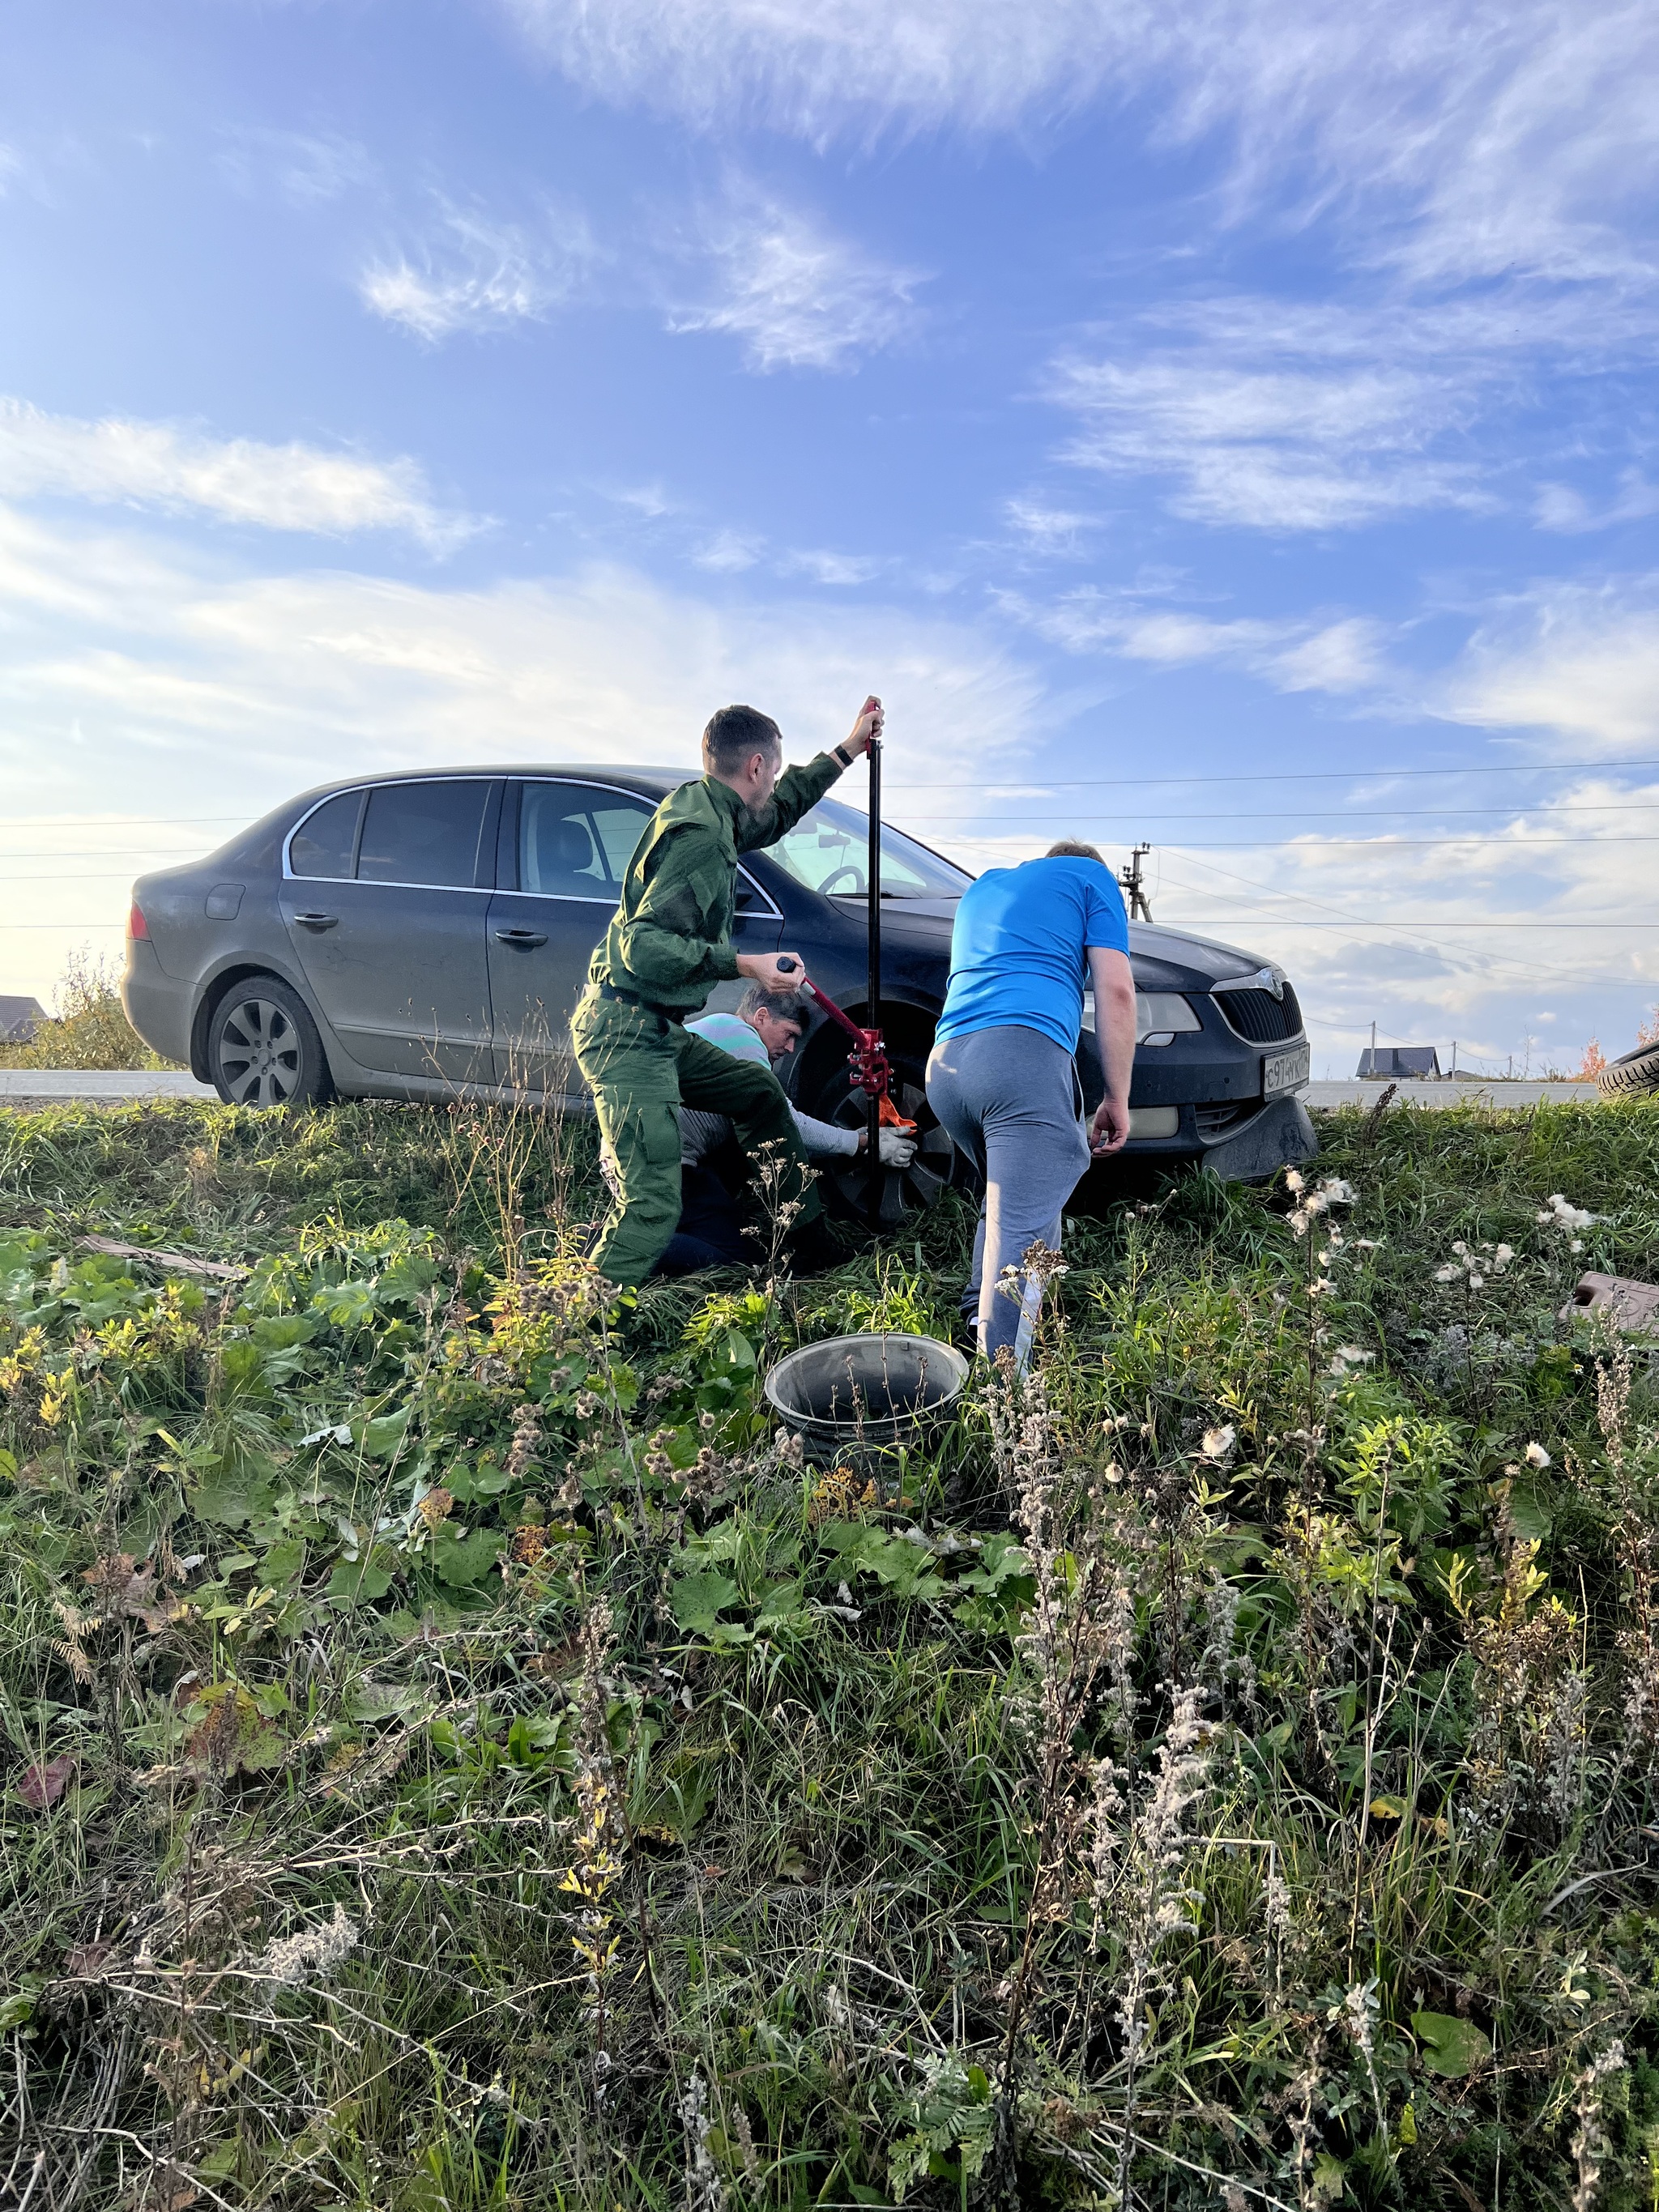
<point>457,1758</point>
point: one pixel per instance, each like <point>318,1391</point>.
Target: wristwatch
<point>844,758</point>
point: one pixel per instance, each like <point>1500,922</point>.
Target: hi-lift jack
<point>870,1070</point>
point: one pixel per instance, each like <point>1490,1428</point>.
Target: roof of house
<point>1400,1060</point>
<point>19,1018</point>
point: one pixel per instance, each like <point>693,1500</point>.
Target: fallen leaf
<point>45,1782</point>
<point>186,1263</point>
<point>86,1960</point>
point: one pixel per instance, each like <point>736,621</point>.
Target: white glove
<point>897,1150</point>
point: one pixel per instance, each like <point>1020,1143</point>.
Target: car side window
<point>423,833</point>
<point>326,841</point>
<point>574,842</point>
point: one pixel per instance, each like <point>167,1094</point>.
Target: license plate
<point>1285,1071</point>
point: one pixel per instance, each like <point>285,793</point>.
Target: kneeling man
<point>765,1029</point>
<point>1002,1076</point>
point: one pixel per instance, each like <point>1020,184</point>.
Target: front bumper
<point>1280,1136</point>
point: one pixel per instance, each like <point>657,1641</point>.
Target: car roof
<point>644,779</point>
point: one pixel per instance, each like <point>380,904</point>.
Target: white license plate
<point>1285,1071</point>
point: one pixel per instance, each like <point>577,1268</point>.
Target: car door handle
<point>317,920</point>
<point>524,937</point>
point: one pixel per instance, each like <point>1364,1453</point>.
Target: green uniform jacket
<point>669,941</point>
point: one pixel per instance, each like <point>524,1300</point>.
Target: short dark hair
<point>1073,848</point>
<point>735,734</point>
<point>782,1006</point>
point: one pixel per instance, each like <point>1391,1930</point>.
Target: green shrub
<point>90,1028</point>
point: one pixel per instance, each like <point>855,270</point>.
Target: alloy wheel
<point>261,1054</point>
<point>897,1190</point>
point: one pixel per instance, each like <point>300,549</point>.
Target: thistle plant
<point>1591,2143</point>
<point>598,1865</point>
<point>1142,1886</point>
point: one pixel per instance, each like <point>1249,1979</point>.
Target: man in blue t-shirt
<point>1002,1076</point>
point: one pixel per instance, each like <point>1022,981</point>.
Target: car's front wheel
<point>890,1191</point>
<point>263,1048</point>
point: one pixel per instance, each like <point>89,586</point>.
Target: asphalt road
<point>17,1084</point>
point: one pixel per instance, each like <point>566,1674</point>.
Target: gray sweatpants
<point>1011,1100</point>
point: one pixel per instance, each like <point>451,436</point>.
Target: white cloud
<point>832,568</point>
<point>796,294</point>
<point>1561,507</point>
<point>1306,655</point>
<point>1269,423</point>
<point>1576,660</point>
<point>117,460</point>
<point>307,169</point>
<point>1470,140</point>
<point>729,551</point>
<point>1049,533</point>
<point>474,274</point>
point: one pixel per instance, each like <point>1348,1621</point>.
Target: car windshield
<point>828,848</point>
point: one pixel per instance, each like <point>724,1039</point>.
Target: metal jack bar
<point>873,1000</point>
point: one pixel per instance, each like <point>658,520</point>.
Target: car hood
<point>1163,959</point>
<point>1174,960</point>
<point>918,921</point>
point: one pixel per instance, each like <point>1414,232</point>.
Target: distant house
<point>19,1019</point>
<point>1398,1059</point>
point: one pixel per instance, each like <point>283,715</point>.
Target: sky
<point>1226,427</point>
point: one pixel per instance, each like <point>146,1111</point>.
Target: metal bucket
<point>855,1394</point>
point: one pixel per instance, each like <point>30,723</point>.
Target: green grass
<point>455,1758</point>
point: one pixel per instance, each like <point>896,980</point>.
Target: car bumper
<point>157,1005</point>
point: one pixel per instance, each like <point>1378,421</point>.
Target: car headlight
<point>1161,1016</point>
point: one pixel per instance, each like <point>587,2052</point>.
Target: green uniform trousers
<point>643,1069</point>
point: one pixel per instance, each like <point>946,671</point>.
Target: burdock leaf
<point>1452,2046</point>
<point>699,1600</point>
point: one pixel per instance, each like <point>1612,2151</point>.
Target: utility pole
<point>1129,880</point>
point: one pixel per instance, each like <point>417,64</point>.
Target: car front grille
<point>1259,1017</point>
<point>1214,1121</point>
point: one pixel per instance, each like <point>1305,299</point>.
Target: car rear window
<point>575,841</point>
<point>423,833</point>
<point>324,841</point>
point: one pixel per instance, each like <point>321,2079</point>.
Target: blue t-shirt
<point>1018,949</point>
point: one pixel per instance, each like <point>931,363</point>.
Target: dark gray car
<point>426,937</point>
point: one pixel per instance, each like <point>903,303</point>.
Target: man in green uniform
<point>668,944</point>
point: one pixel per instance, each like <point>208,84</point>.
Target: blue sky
<point>1261,399</point>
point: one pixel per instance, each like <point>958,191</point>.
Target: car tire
<point>263,1048</point>
<point>938,1167</point>
<point>1632,1075</point>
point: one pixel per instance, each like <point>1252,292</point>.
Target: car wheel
<point>263,1048</point>
<point>1632,1075</point>
<point>892,1192</point>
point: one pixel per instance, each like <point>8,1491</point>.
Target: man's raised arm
<point>798,790</point>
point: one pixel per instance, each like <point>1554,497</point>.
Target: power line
<point>123,821</point>
<point>1484,960</point>
<point>1302,814</point>
<point>1326,775</point>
